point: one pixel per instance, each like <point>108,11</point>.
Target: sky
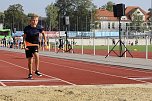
<point>38,6</point>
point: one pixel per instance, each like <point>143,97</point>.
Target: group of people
<point>65,46</point>
<point>12,42</point>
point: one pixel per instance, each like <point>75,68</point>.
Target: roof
<point>148,15</point>
<point>110,16</point>
<point>105,13</point>
<point>130,9</point>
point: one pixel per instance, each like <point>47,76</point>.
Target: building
<point>105,20</point>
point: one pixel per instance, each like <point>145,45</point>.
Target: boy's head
<point>34,20</point>
<point>32,16</point>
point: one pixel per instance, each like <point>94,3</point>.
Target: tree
<point>15,17</point>
<point>52,15</point>
<point>65,9</point>
<point>108,6</point>
<point>137,22</point>
<point>79,12</point>
<point>2,16</point>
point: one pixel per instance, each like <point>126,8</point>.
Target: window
<point>108,25</point>
<point>113,25</point>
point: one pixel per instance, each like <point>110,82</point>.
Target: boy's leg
<point>36,55</point>
<point>30,62</point>
<point>29,57</point>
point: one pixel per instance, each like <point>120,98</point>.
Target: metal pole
<point>77,23</point>
<point>22,23</point>
<point>59,22</point>
<point>151,20</point>
<point>66,38</point>
<point>82,45</point>
<point>72,43</point>
<point>146,47</point>
<point>86,23</point>
<point>50,24</point>
<point>55,45</point>
<point>120,44</point>
<point>108,44</point>
<point>94,47</point>
<point>125,46</point>
<point>3,22</point>
<point>91,20</point>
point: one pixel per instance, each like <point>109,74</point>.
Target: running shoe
<point>38,73</point>
<point>30,76</point>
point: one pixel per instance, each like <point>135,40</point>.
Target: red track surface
<point>13,72</point>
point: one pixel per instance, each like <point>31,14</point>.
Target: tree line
<point>81,15</point>
<point>80,12</point>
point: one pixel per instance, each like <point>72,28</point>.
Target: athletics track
<point>62,69</point>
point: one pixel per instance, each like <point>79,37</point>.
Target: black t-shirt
<point>32,34</point>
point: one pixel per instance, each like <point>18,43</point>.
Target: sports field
<point>140,48</point>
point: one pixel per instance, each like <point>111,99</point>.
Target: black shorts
<point>31,50</point>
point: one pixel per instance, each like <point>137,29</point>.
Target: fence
<point>139,45</point>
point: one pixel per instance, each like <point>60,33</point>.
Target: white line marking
<point>2,84</point>
<point>94,72</point>
<point>32,80</point>
<point>142,78</point>
<point>42,74</point>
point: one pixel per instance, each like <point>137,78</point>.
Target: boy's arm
<point>45,41</point>
<point>24,42</point>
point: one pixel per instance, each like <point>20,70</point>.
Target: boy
<point>31,42</point>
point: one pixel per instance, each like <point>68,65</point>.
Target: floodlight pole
<point>66,37</point>
<point>66,24</point>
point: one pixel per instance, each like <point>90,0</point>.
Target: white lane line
<point>32,80</point>
<point>3,84</point>
<point>94,72</point>
<point>42,74</point>
<point>141,78</point>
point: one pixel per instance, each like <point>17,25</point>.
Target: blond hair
<point>33,15</point>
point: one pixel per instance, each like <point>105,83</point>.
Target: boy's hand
<point>45,44</point>
<point>26,48</point>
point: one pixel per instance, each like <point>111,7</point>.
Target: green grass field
<point>140,48</point>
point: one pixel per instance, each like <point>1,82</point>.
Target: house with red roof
<point>105,20</point>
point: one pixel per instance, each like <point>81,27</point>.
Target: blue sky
<point>38,6</point>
